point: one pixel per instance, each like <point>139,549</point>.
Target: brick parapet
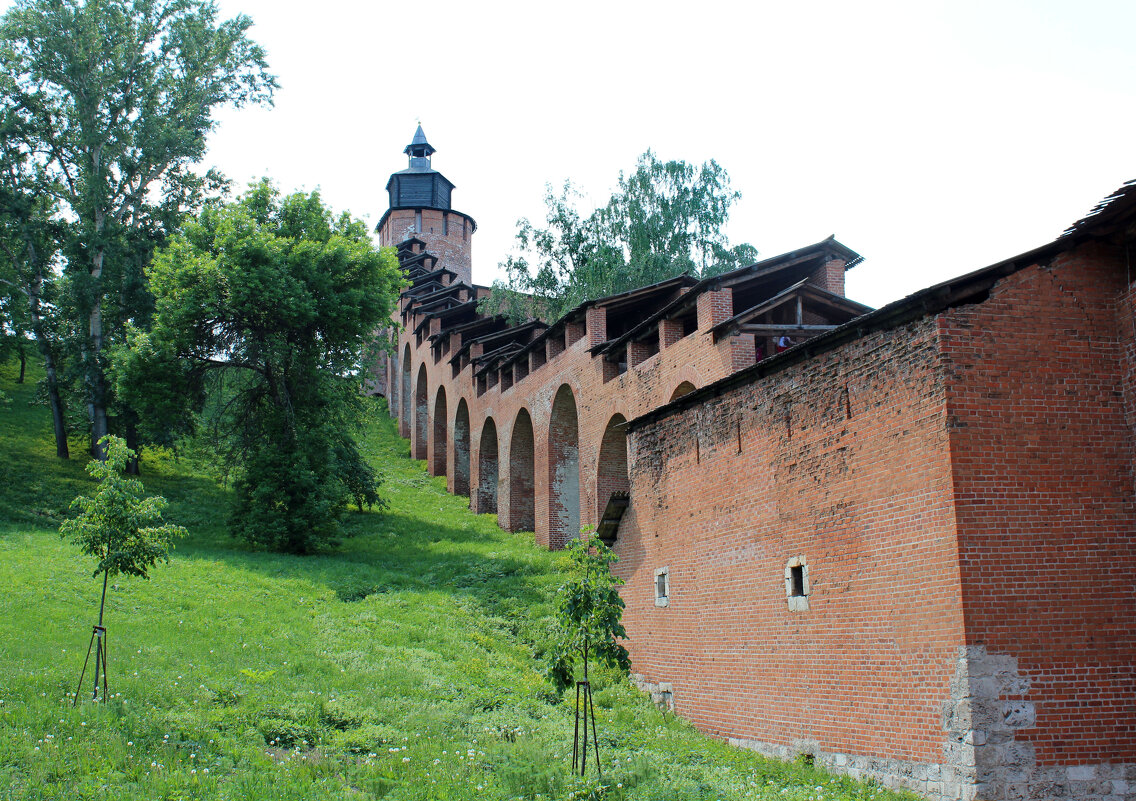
<point>597,326</point>
<point>715,306</point>
<point>670,332</point>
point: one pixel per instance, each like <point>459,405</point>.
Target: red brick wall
<point>725,493</point>
<point>1042,446</point>
<point>695,358</point>
<point>454,249</point>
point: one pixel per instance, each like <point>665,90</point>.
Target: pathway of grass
<point>405,665</point>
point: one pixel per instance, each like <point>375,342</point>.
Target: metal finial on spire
<point>419,147</point>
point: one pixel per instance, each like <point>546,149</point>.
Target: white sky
<point>932,137</point>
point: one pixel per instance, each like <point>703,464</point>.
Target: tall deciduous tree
<point>116,98</point>
<point>282,299</point>
<point>30,233</point>
<point>664,219</point>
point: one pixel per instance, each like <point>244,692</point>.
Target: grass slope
<point>401,666</point>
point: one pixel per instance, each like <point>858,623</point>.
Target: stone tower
<point>420,208</point>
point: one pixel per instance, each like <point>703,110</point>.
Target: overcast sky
<point>934,138</point>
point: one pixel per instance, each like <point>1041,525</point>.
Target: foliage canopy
<point>110,102</point>
<point>269,304</point>
<point>663,220</point>
<point>589,611</point>
<point>118,525</point>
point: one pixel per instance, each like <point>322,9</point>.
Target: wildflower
<point>406,759</point>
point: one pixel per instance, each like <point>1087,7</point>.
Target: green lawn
<point>404,665</point>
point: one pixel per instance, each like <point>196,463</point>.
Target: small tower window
<point>797,584</point>
<point>445,224</point>
<point>662,586</point>
<point>418,222</point>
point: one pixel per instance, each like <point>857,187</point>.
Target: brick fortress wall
<point>909,555</point>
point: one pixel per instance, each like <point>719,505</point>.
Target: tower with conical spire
<point>420,208</point>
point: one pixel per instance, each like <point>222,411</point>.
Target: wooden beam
<point>766,329</point>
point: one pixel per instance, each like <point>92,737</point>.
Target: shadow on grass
<point>403,549</point>
<point>399,554</point>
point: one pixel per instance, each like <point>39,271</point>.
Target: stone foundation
<point>982,758</point>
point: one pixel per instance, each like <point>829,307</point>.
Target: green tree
<point>30,232</point>
<point>118,525</point>
<point>115,99</point>
<point>589,611</point>
<point>277,302</point>
<point>663,220</point>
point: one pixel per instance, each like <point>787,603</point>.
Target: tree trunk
<point>134,466</point>
<point>23,361</point>
<point>58,419</point>
<point>93,369</point>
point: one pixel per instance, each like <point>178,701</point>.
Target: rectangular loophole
<point>797,580</point>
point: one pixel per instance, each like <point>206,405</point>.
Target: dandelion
<point>406,759</point>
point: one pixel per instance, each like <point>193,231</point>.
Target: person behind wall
<point>783,343</point>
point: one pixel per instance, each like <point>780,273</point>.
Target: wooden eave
<point>437,301</point>
<point>446,290</point>
<point>436,273</point>
<point>419,260</point>
<point>579,311</point>
<point>802,289</point>
<point>490,361</point>
<point>759,271</point>
<point>470,327</point>
<point>469,307</point>
<point>408,244</point>
<point>452,305</point>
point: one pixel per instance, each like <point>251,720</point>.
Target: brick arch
<point>521,513</point>
<point>563,469</point>
<point>404,396</point>
<point>461,448</point>
<point>611,467</point>
<point>421,416</point>
<point>485,501</point>
<point>685,388</point>
<point>439,445</point>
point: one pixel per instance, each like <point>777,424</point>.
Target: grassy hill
<point>405,665</point>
